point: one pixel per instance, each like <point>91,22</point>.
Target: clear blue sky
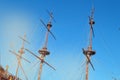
<point>72,32</point>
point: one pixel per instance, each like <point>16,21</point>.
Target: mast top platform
<point>49,24</point>
<point>89,51</point>
<point>44,51</point>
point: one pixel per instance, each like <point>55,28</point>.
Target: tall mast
<point>19,57</point>
<point>43,52</point>
<point>21,52</point>
<point>89,52</point>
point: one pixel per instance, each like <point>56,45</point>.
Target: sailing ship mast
<point>19,57</point>
<point>44,52</point>
<point>89,52</point>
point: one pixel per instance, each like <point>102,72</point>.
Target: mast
<point>44,51</point>
<point>21,52</point>
<point>89,52</point>
<point>19,57</point>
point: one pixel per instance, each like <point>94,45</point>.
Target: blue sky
<point>72,32</point>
